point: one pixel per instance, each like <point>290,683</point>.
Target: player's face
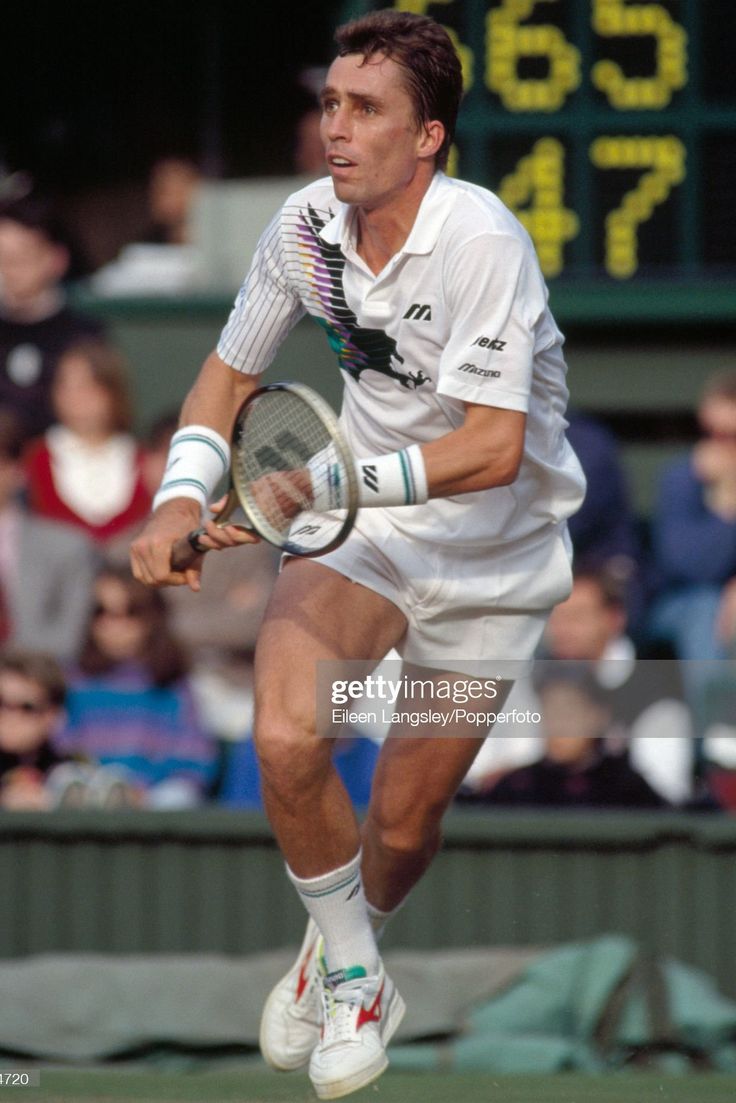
<point>373,144</point>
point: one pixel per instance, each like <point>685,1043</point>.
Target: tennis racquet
<point>291,473</point>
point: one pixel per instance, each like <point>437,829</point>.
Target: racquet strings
<point>273,443</point>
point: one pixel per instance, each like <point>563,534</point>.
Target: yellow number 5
<point>613,19</point>
<point>664,158</point>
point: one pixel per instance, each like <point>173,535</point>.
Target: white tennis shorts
<point>460,603</point>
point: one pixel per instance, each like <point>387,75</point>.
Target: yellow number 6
<point>508,42</point>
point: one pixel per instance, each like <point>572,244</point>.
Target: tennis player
<point>431,296</point>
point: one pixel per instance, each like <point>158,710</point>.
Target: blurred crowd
<point>113,695</point>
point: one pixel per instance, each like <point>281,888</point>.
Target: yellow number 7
<point>664,158</point>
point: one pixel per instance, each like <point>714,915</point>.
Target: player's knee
<point>289,753</point>
<point>409,831</point>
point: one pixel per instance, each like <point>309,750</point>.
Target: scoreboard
<point>609,128</point>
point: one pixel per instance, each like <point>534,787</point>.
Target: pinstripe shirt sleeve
<point>266,309</point>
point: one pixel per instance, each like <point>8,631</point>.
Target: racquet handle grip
<point>186,550</point>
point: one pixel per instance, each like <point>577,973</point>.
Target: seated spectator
<point>32,692</point>
<point>217,626</point>
<point>172,189</point>
<point>87,468</point>
<point>646,696</point>
<point>130,703</point>
<point>603,530</point>
<point>46,568</point>
<point>576,769</point>
<point>162,260</point>
<point>694,535</point>
<point>154,452</point>
<point>36,325</point>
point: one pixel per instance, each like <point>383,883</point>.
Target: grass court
<point>251,1083</point>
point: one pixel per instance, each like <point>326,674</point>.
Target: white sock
<point>336,903</point>
<point>379,919</point>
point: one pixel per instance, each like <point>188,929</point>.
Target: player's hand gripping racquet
<point>291,473</point>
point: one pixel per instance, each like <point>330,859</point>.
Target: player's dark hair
<point>37,667</point>
<point>426,55</point>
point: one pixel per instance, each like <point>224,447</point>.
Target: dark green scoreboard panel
<point>609,127</point>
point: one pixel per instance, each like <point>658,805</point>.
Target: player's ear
<point>431,137</point>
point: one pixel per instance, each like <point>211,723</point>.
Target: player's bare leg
<point>415,781</point>
<point>314,614</point>
<point>317,614</point>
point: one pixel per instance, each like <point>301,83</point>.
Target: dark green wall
<point>213,881</point>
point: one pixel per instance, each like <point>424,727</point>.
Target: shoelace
<point>339,1007</point>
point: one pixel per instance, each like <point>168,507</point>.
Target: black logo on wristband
<point>370,477</point>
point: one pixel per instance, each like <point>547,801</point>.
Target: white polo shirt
<point>458,315</point>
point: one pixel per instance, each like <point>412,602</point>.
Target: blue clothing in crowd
<point>354,757</point>
<point>121,719</point>
<point>694,556</point>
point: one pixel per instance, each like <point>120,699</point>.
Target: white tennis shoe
<point>359,1016</point>
<point>292,1014</point>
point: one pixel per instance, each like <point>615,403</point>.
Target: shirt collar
<point>433,210</point>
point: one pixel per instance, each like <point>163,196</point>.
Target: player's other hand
<point>216,537</point>
<point>150,552</point>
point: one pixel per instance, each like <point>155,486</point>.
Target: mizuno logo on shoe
<point>370,1014</point>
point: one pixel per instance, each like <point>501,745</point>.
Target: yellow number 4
<point>534,191</point>
<point>664,158</point>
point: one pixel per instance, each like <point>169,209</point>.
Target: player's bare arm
<point>213,401</point>
<point>485,451</point>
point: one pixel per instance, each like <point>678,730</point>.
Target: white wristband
<point>397,479</point>
<point>198,458</point>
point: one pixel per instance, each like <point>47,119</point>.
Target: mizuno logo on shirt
<point>473,369</point>
<point>419,312</point>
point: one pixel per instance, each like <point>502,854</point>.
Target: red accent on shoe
<point>373,1014</point>
<point>303,980</point>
